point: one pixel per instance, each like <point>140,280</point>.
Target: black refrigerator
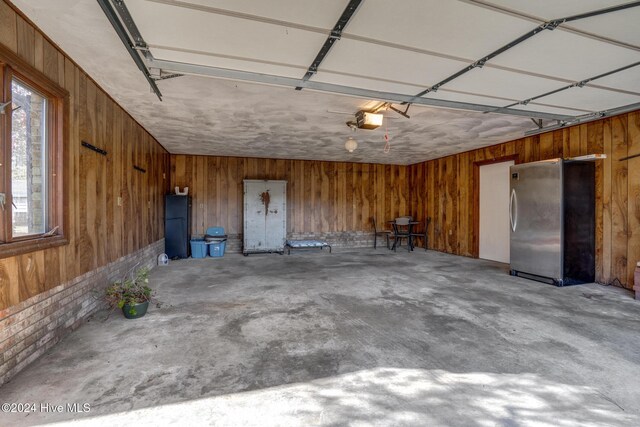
<point>176,226</point>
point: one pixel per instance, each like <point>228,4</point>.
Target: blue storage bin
<point>217,249</point>
<point>198,249</point>
<point>215,231</point>
<point>216,240</point>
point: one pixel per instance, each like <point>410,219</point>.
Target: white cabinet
<point>265,216</point>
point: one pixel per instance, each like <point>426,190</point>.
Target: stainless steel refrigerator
<point>552,215</point>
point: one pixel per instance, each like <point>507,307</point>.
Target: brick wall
<point>35,170</point>
<point>29,329</point>
<point>338,239</point>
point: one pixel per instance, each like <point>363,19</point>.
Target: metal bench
<point>306,244</point>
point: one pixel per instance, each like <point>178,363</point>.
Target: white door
<point>494,211</point>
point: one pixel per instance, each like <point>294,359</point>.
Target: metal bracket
<point>402,113</point>
<point>118,24</point>
<point>537,122</point>
<point>93,148</point>
<point>480,63</point>
<point>389,106</point>
<point>633,156</point>
<point>5,105</point>
<point>167,76</point>
<point>552,25</point>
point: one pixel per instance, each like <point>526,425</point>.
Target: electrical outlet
<point>119,202</point>
<point>450,232</point>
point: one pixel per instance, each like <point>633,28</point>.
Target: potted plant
<point>132,294</point>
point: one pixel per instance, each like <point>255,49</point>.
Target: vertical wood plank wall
<point>443,189</point>
<point>99,231</point>
<point>321,196</point>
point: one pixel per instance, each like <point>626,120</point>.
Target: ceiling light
<point>366,120</point>
<point>350,145</point>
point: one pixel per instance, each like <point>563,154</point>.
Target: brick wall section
<point>35,182</point>
<point>29,329</point>
<point>338,239</point>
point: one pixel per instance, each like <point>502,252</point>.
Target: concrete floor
<point>349,338</point>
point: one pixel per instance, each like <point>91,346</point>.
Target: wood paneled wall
<point>99,230</point>
<point>444,189</point>
<point>321,196</point>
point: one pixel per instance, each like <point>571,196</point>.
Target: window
<point>31,160</point>
<point>28,161</point>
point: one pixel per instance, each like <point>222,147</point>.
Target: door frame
<point>475,247</point>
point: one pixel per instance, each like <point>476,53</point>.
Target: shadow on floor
<point>393,397</point>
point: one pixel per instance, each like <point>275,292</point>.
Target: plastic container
<point>198,249</point>
<point>217,249</point>
<point>216,240</point>
<point>163,259</point>
<point>216,231</point>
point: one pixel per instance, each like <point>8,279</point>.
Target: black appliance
<point>176,226</point>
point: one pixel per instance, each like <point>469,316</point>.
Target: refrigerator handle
<point>513,207</point>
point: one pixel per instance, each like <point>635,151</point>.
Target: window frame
<point>12,66</point>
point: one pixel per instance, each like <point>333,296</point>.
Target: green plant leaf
<point>132,290</point>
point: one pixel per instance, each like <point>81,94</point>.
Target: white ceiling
<point>402,47</point>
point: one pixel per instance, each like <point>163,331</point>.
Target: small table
<point>396,233</point>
